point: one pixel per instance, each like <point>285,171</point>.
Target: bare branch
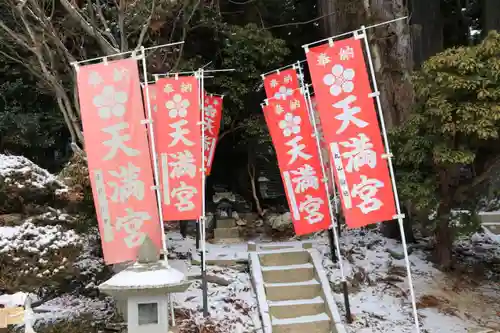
<point>121,25</point>
<point>19,60</point>
<point>67,121</point>
<point>146,26</point>
<point>302,22</point>
<point>18,39</point>
<point>230,130</point>
<point>63,101</point>
<point>184,33</point>
<point>46,24</point>
<point>106,47</point>
<point>107,30</point>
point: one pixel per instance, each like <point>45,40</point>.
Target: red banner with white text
<point>178,145</point>
<point>298,159</point>
<point>324,147</point>
<point>280,85</point>
<point>213,116</point>
<point>118,157</point>
<point>351,130</point>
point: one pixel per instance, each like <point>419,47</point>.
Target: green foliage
<point>251,51</point>
<point>448,147</point>
<point>30,123</point>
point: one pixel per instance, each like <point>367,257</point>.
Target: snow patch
<point>299,320</point>
<point>138,277</point>
<point>12,166</point>
<point>36,239</point>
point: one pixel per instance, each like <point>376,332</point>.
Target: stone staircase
<point>490,221</point>
<point>292,290</point>
<point>226,231</point>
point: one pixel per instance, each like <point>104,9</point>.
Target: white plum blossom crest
<point>210,111</point>
<point>110,102</point>
<point>283,93</point>
<point>95,79</point>
<point>290,125</point>
<point>340,80</point>
<point>177,106</point>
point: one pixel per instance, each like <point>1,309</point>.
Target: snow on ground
<point>35,239</point>
<point>40,249</point>
<point>42,242</point>
<point>12,166</point>
<point>64,307</point>
<point>379,293</point>
<point>232,308</point>
<point>380,296</point>
<point>378,290</point>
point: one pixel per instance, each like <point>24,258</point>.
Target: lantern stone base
<point>142,291</point>
<point>226,231</point>
<point>226,222</point>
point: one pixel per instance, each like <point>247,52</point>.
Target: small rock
<point>241,223</point>
<point>281,222</point>
<point>11,219</point>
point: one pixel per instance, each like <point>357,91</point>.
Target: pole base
<point>348,315</point>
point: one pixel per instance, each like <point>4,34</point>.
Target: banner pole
<point>156,171</point>
<point>196,71</point>
<point>277,70</point>
<point>335,244</point>
<point>399,216</point>
<point>335,197</point>
<point>197,238</point>
<point>203,209</point>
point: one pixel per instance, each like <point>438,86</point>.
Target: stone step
<point>297,308</point>
<point>221,233</point>
<point>489,217</point>
<point>280,258</point>
<point>225,222</point>
<point>495,229</point>
<point>319,323</point>
<point>292,291</point>
<point>290,273</point>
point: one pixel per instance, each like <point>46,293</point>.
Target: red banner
<point>346,109</point>
<point>179,148</point>
<point>213,116</point>
<point>152,98</point>
<point>280,85</point>
<point>118,158</point>
<point>298,159</point>
<point>324,147</point>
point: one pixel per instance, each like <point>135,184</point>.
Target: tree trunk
<point>426,29</point>
<point>251,174</point>
<point>443,240</point>
<point>443,232</point>
<point>340,16</point>
<point>390,229</point>
<point>491,15</point>
<point>393,58</point>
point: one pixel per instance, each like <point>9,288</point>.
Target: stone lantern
<point>142,291</point>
